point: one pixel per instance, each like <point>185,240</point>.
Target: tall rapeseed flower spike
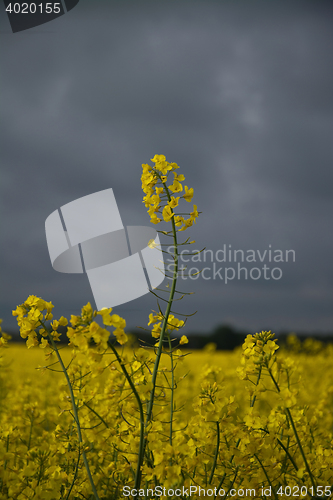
<point>159,197</point>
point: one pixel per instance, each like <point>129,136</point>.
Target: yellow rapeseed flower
<point>188,195</point>
<point>167,213</point>
<point>176,187</point>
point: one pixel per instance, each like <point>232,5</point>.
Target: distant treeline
<point>225,337</point>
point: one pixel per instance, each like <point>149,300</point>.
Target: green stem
<point>74,477</point>
<point>143,443</point>
<point>301,448</point>
<point>257,383</point>
<point>167,312</point>
<point>5,464</point>
<point>216,453</point>
<point>97,414</point>
<point>172,390</point>
<point>287,453</point>
<point>142,420</point>
<point>295,432</point>
<point>273,379</point>
<point>164,326</point>
<point>30,433</point>
<point>232,482</point>
<point>224,474</point>
<point>76,417</point>
<point>264,470</point>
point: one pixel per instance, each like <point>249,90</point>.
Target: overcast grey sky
<point>238,93</point>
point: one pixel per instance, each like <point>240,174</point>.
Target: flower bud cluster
<point>31,318</point>
<point>172,324</point>
<point>84,330</point>
<point>258,350</point>
<point>34,312</point>
<point>157,197</point>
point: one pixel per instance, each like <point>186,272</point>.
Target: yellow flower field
<point>39,448</point>
<point>96,420</point>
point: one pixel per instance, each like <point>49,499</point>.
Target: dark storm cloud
<point>239,94</point>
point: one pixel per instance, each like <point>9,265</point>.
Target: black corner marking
<point>70,4</point>
<point>24,15</point>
